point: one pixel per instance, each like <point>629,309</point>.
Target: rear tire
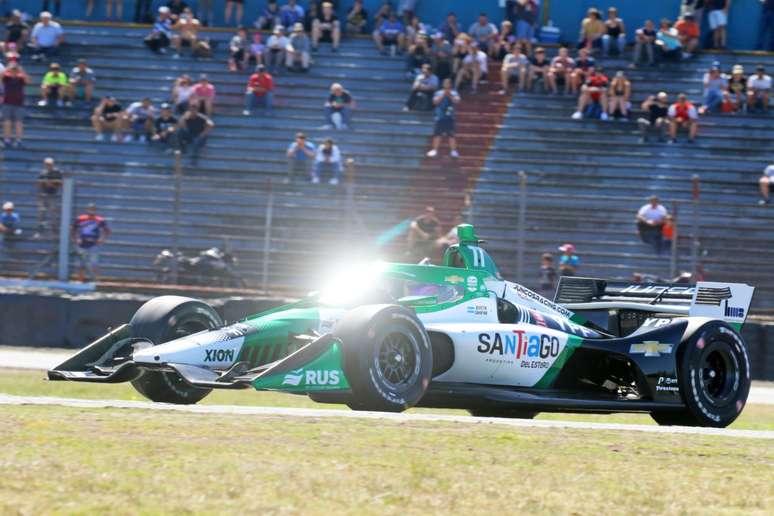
<point>502,412</point>
<point>163,319</point>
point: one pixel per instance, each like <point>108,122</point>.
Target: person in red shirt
<point>89,232</point>
<point>203,95</point>
<point>688,32</point>
<point>683,114</point>
<point>260,89</point>
<point>594,91</point>
<point>14,81</point>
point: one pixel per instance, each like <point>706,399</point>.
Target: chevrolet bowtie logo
<point>651,348</point>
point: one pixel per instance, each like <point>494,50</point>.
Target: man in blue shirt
<point>569,261</point>
<point>390,34</point>
<point>300,155</point>
<point>445,101</point>
<point>46,37</point>
<point>9,222</point>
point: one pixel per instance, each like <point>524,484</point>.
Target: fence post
<point>349,187</point>
<point>267,237</point>
<point>695,226</point>
<point>63,269</point>
<point>176,216</point>
<point>522,224</point>
<point>675,239</point>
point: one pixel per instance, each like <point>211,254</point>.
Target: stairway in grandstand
<point>585,179</point>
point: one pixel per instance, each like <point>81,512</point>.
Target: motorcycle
<point>211,267</point>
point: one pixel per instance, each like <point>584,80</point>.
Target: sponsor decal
<point>238,330</point>
<point>667,383</point>
<point>218,355</point>
<point>656,322</point>
<point>651,348</point>
<point>312,377</point>
<point>478,310</point>
<point>733,311</point>
<point>472,283</point>
<point>454,279</point>
<point>293,377</point>
<point>519,344</point>
<point>534,296</point>
<point>656,289</point>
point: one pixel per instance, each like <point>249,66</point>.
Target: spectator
<point>291,13</point>
<point>260,90</point>
<point>693,6</point>
<point>683,114</point>
<point>165,129</point>
<point>108,116</point>
<point>460,51</point>
<point>503,42</point>
<point>301,153</point>
<point>188,27</point>
<point>645,42</point>
<point>270,16</point>
<point>422,91</point>
<point>275,49</point>
<point>81,77</point>
<point>524,15</point>
<point>668,233</point>
<point>47,35</point>
<point>668,42</point>
<point>54,86</point>
<point>193,129</point>
<point>383,13</point>
<point>650,221</point>
<point>445,101</point>
<point>737,85</point>
<point>422,235</point>
<point>451,237</point>
<point>109,5</point>
<point>765,182</point>
<point>441,57</point>
<point>728,103</point>
<point>514,69</point>
<point>139,116</point>
<point>204,12</point>
<point>417,56</point>
<point>16,32</point>
<point>176,8</point>
<point>297,55</point>
<point>758,88</point>
<point>181,93</point>
<point>390,33</point>
<point>592,30</point>
<point>569,261</point>
<point>614,31</point>
<point>582,66</point>
<point>161,34</point>
<point>357,19</point>
<point>338,108</point>
<point>593,100</point>
<point>715,83</point>
<point>718,19</point>
<point>238,57</point>
<point>766,27</point>
<point>620,96</point>
<point>49,188</point>
<point>14,81</point>
<point>474,68</point>
<point>656,110</point>
<point>547,275</point>
<point>89,232</point>
<point>203,95</point>
<point>449,28</point>
<point>238,12</point>
<point>561,71</point>
<point>326,28</point>
<point>257,49</point>
<point>327,161</point>
<point>483,32</point>
<point>9,223</point>
<point>688,31</point>
<point>539,67</point>
<point>407,9</point>
<point>414,29</point>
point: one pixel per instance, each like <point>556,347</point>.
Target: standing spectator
<point>668,41</point>
<point>569,261</point>
<point>656,110</point>
<point>547,275</point>
<point>14,81</point>
<point>203,95</point>
<point>650,221</point>
<point>483,32</point>
<point>614,31</point>
<point>188,27</point>
<point>474,68</point>
<point>668,234</point>
<point>140,118</point>
<point>422,91</point>
<point>449,28</point>
<point>238,57</point>
<point>645,43</point>
<point>54,86</point>
<point>181,93</point>
<point>297,51</point>
<point>82,77</point>
<point>109,5</point>
<point>683,114</point>
<point>524,16</point>
<point>539,68</point>
<point>445,101</point>
<point>108,116</point>
<point>9,223</point>
<point>514,69</point>
<point>275,49</point>
<point>357,19</point>
<point>390,33</point>
<point>561,71</point>
<point>193,129</point>
<point>161,34</point>
<point>238,12</point>
<point>718,19</point>
<point>260,90</point>
<point>338,108</point>
<point>270,16</point>
<point>326,28</point>
<point>291,13</point>
<point>89,232</point>
<point>47,35</point>
<point>165,129</point>
<point>593,100</point>
<point>765,182</point>
<point>49,188</point>
<point>715,83</point>
<point>688,31</point>
<point>16,32</point>
<point>758,88</point>
<point>423,232</point>
<point>737,85</point>
<point>582,66</point>
<point>328,161</point>
<point>301,154</point>
<point>766,26</point>
<point>619,96</point>
<point>205,13</point>
<point>592,30</point>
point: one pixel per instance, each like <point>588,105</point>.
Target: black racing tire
<point>388,359</point>
<point>163,319</point>
<point>714,378</point>
<point>503,412</point>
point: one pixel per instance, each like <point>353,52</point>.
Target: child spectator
<point>569,261</point>
<point>645,43</point>
<point>338,108</point>
<point>667,234</point>
<point>547,276</point>
<point>445,102</point>
<point>46,37</point>
<point>592,30</point>
<point>326,28</point>
<point>297,51</point>
<point>328,161</point>
<point>54,86</point>
<point>683,114</point>
<point>237,51</point>
<point>656,118</point>
<point>688,31</point>
<point>49,188</point>
<point>514,69</point>
<point>357,19</point>
<point>140,118</point>
<point>260,90</point>
<point>561,71</point>
<point>614,31</point>
<point>758,88</point>
<point>165,129</point>
<point>422,91</point>
<point>270,16</point>
<point>82,77</point>
<point>765,182</point>
<point>718,19</point>
<point>14,79</point>
<point>89,232</point>
<point>300,153</point>
<point>108,116</point>
<point>203,95</point>
<point>620,94</point>
<point>390,33</point>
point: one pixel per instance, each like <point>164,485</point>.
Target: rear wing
<point>729,302</point>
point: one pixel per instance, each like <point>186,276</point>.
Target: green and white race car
<point>390,336</point>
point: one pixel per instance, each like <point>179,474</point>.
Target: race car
<point>390,336</point>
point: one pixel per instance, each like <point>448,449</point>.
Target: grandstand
<point>585,180</point>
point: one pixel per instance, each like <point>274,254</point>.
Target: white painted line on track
<point>6,399</point>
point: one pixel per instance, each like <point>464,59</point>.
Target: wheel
<point>502,412</point>
<point>388,359</point>
<point>714,378</point>
<point>163,319</point>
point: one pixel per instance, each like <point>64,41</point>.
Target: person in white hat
<point>9,222</point>
<point>297,51</point>
<point>275,49</point>
<point>46,37</point>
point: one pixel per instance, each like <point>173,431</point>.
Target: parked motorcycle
<point>212,267</point>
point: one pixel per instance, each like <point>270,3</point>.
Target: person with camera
<point>301,153</point>
<point>656,111</point>
<point>327,161</point>
<point>338,108</point>
<point>445,101</point>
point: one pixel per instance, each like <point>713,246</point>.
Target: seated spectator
<point>257,49</point>
<point>82,77</point>
<point>688,31</point>
<point>593,100</point>
<point>54,86</point>
<point>338,108</point>
<point>449,28</point>
<point>422,91</point>
<point>238,57</point>
<point>203,95</point>
<point>474,68</point>
<point>539,67</point>
<point>668,42</point>
<point>503,41</point>
<point>270,16</point>
<point>176,9</point>
<point>483,33</point>
<point>181,93</point>
<point>614,31</point>
<point>407,9</point>
<point>301,153</point>
<point>327,161</point>
<point>656,117</point>
<point>16,33</point>
<point>514,69</point>
<point>417,56</point>
<point>49,189</point>
<point>165,129</point>
<point>728,103</point>
<point>383,13</point>
<point>46,37</point>
<point>547,275</point>
<point>645,43</point>
<point>683,114</point>
<point>620,96</point>
<point>451,237</point>
<point>10,223</point>
<point>583,64</point>
<point>14,80</point>
<point>188,28</point>
<point>592,30</point>
<point>291,13</point>
<point>274,56</point>
<point>758,88</point>
<point>718,19</point>
<point>390,33</point>
<point>441,57</point>
<point>460,51</point>
<point>414,29</point>
<point>297,53</point>
<point>139,116</point>
<point>326,28</point>
<point>357,19</point>
<point>765,182</point>
<point>737,85</point>
<point>561,71</point>
<point>650,221</point>
<point>445,101</point>
<point>161,34</point>
<point>715,83</point>
<point>524,14</point>
<point>192,130</point>
<point>260,90</point>
<point>422,235</point>
<point>569,261</point>
<point>108,116</point>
